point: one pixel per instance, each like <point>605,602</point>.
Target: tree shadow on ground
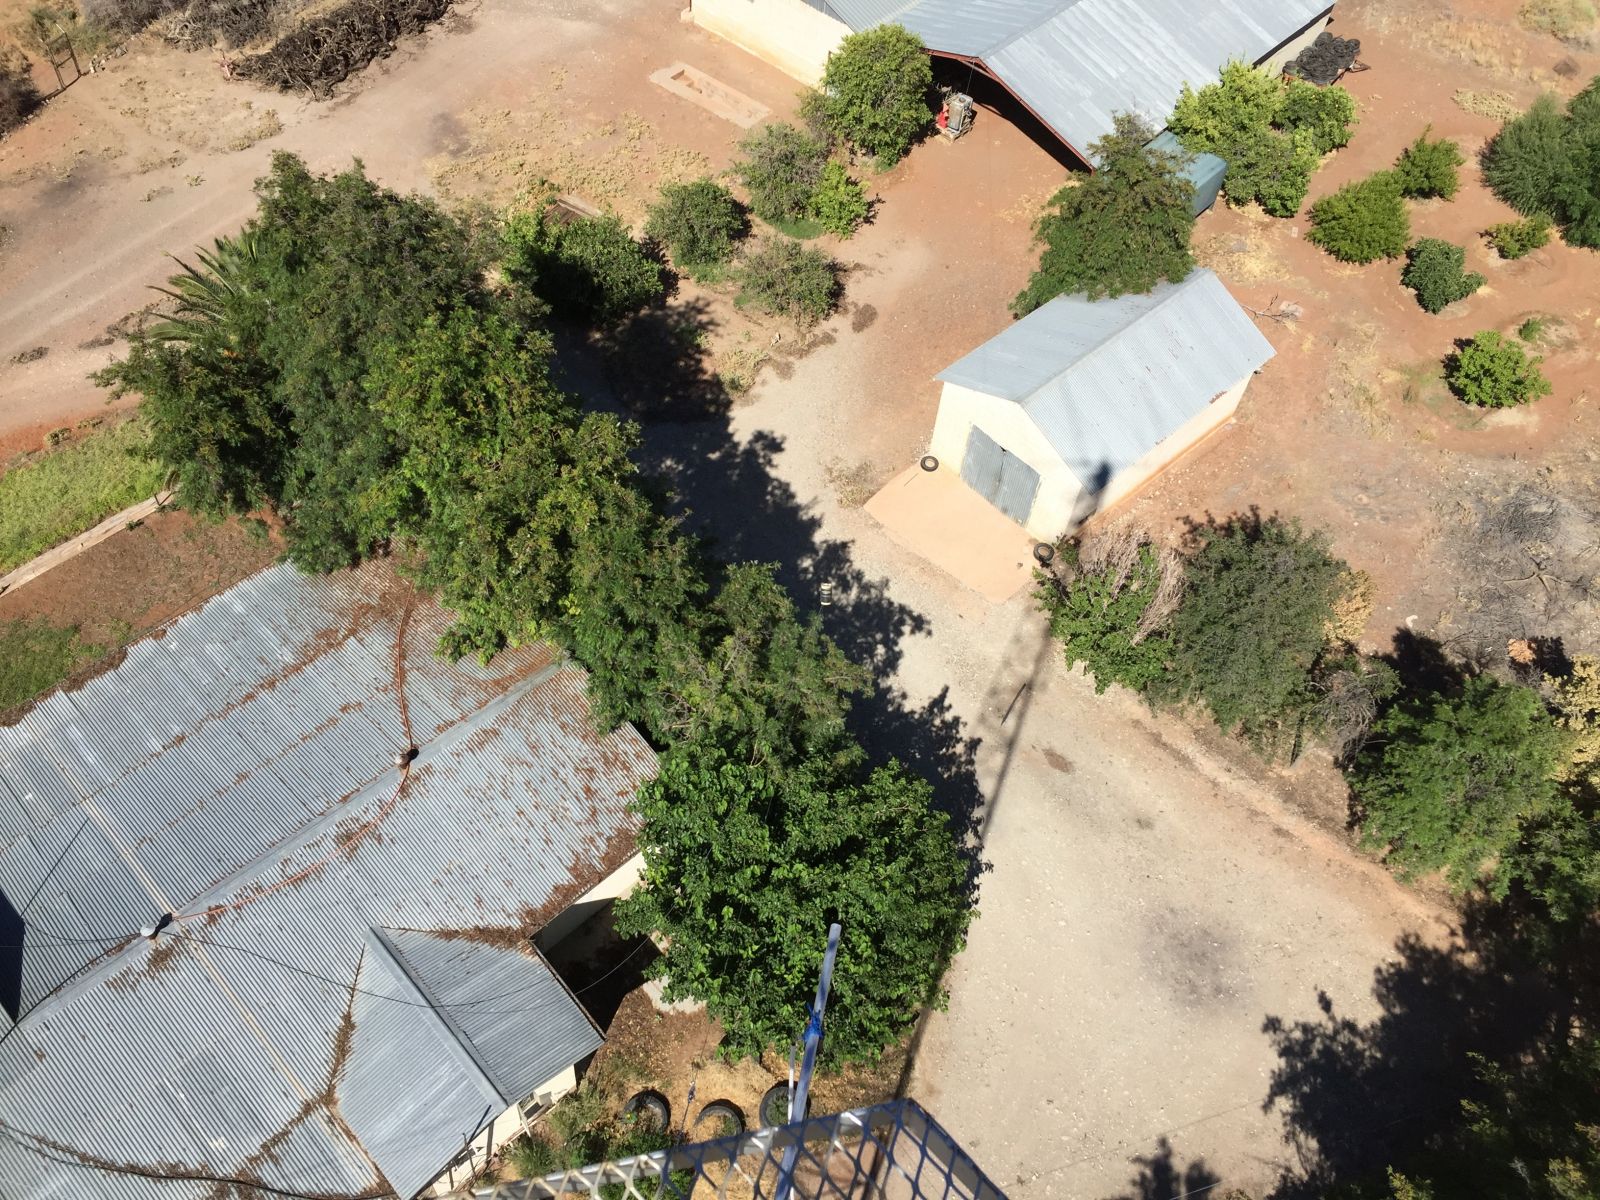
<point>1160,1178</point>
<point>1359,1097</point>
<point>728,491</point>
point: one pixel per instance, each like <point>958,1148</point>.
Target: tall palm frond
<point>209,297</point>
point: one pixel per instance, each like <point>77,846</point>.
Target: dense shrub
<point>1328,114</point>
<point>1547,163</point>
<point>1271,134</point>
<point>781,168</point>
<point>1447,781</point>
<point>875,92</point>
<point>1108,599</point>
<point>1434,271</point>
<point>18,95</point>
<point>1271,169</point>
<point>839,204</point>
<point>588,269</point>
<point>1514,239</point>
<point>786,279</point>
<point>1123,229</point>
<point>698,223</point>
<point>1362,221</point>
<point>1426,169</point>
<point>1253,627</point>
<point>1494,373</point>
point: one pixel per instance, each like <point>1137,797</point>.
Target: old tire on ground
<point>929,463</point>
<point>1043,553</point>
<point>649,1109</point>
<point>774,1108</point>
<point>723,1118</point>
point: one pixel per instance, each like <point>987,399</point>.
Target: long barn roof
<point>1075,63</point>
<point>239,771</point>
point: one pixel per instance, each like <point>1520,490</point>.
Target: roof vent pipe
<point>150,931</point>
<point>403,758</point>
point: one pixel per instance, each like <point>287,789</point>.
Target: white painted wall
<point>1063,502</point>
<point>504,1128</point>
<point>961,408</point>
<point>788,34</point>
<point>613,887</point>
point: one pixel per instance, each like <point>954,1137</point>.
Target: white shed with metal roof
<point>1082,401</point>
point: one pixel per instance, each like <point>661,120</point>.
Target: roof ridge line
<point>462,1044</point>
<point>1023,32</point>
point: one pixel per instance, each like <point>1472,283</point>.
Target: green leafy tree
<point>1526,163</point>
<point>1108,601</point>
<point>1251,633</point>
<point>1434,271</point>
<point>744,870</point>
<point>1429,168</point>
<point>839,204</point>
<point>875,92</point>
<point>1446,782</point>
<point>1272,169</point>
<point>1516,239</point>
<point>699,224</point>
<point>780,168</point>
<point>1327,114</point>
<point>1214,119</point>
<point>1123,229</point>
<point>785,279</point>
<point>1363,221</point>
<point>1494,372</point>
<point>588,269</point>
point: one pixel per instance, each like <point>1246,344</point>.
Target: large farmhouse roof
<point>1074,63</point>
<point>1107,380</point>
<point>239,771</point>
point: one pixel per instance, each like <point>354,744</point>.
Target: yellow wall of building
<point>788,34</point>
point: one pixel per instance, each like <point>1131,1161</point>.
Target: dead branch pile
<point>1325,59</point>
<point>233,23</point>
<point>1113,553</point>
<point>331,46</point>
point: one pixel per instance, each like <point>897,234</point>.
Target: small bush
<point>786,279</point>
<point>589,269</point>
<point>1242,101</point>
<point>1568,20</point>
<point>1533,329</point>
<point>839,204</point>
<point>1514,239</point>
<point>532,1157</point>
<point>1328,114</point>
<point>1434,271</point>
<point>1428,169</point>
<point>781,168</point>
<point>18,96</point>
<point>698,223</point>
<point>1494,373</point>
<point>1363,221</point>
<point>1272,169</point>
<point>874,92</point>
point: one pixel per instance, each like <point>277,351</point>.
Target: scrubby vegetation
<point>699,223</point>
<point>1516,239</point>
<point>1493,372</point>
<point>1435,271</point>
<point>1271,133</point>
<point>347,363</point>
<point>785,279</point>
<point>1123,229</point>
<point>875,92</point>
<point>585,268</point>
<point>780,167</point>
<point>35,656</point>
<point>18,95</point>
<point>1363,221</point>
<point>1544,164</point>
<point>1428,169</point>
<point>839,203</point>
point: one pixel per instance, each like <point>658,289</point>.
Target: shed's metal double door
<point>999,476</point>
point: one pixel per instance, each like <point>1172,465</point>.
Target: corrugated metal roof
<point>1106,380</point>
<point>471,1004</point>
<point>1076,62</point>
<point>247,743</point>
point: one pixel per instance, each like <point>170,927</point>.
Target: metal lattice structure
<point>891,1151</point>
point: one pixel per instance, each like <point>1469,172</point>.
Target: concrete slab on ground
<point>935,515</point>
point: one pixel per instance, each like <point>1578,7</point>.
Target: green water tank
<point>1205,171</point>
